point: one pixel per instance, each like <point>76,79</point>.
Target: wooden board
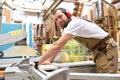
<point>20,51</point>
<point>7,13</point>
<point>48,67</point>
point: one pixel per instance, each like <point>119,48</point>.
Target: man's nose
<point>59,20</point>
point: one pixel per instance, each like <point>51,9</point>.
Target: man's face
<point>60,19</point>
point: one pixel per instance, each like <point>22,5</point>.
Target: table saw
<point>26,69</point>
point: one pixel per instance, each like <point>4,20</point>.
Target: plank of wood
<point>118,9</point>
<point>20,51</point>
<point>80,9</point>
<point>115,1</point>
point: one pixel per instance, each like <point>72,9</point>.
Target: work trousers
<point>107,59</point>
<point>105,53</point>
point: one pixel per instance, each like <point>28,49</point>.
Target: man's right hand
<point>46,63</point>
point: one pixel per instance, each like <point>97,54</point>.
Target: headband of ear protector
<point>67,13</point>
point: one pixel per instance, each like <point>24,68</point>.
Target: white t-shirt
<point>82,28</point>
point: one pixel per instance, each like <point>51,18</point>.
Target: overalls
<point>105,53</point>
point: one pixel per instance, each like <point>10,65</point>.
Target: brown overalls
<point>105,53</point>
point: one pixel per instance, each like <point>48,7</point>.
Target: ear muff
<point>69,15</point>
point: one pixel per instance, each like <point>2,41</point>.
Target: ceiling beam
<point>51,8</point>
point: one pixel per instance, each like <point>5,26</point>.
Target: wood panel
<point>7,14</point>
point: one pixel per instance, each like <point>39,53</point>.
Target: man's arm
<point>49,61</point>
<point>56,47</point>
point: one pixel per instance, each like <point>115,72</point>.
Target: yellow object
<point>17,32</point>
<point>76,58</point>
<point>45,47</point>
<point>64,57</point>
<point>74,51</point>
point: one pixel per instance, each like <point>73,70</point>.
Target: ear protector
<point>67,13</point>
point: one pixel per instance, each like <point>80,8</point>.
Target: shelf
<point>118,9</point>
<point>29,10</point>
<point>100,19</point>
<point>115,1</point>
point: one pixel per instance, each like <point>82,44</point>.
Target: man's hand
<point>46,63</point>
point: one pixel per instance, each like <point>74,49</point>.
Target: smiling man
<point>93,37</point>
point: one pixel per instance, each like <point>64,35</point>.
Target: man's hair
<point>62,9</point>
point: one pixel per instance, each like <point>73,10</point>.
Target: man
<point>94,38</point>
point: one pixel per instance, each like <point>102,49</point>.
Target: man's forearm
<point>52,58</point>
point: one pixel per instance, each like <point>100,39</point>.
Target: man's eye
<point>60,16</point>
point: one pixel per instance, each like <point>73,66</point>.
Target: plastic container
<point>73,52</point>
